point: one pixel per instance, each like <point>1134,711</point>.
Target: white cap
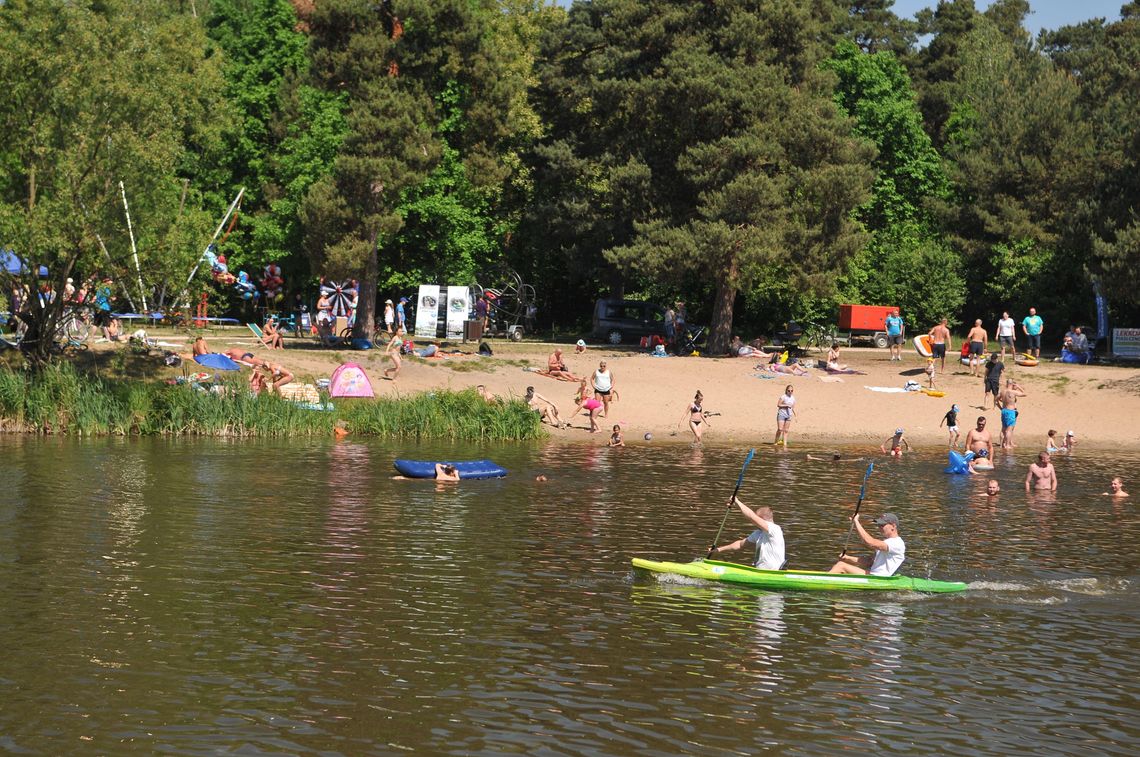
<point>1070,434</point>
<point>898,430</point>
<point>581,342</point>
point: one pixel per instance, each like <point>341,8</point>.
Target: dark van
<point>617,321</point>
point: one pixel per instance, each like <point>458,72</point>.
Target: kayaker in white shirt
<point>768,537</point>
<point>890,551</point>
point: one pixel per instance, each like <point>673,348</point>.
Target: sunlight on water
<point>221,595</point>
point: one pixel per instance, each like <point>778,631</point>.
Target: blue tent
<point>15,266</point>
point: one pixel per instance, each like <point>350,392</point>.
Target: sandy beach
<point>1100,403</point>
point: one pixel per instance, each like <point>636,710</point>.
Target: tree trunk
<point>366,294</point>
<point>720,330</point>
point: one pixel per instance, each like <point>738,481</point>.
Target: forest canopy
<point>761,159</point>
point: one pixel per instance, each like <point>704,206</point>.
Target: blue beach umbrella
<point>217,361</point>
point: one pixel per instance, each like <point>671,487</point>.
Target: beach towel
<point>845,372</point>
<point>831,379</point>
<point>886,389</point>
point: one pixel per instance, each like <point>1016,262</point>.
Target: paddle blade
<point>747,460</point>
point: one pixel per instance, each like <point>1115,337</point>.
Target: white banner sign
<point>1126,343</point>
<point>458,307</point>
<point>427,311</point>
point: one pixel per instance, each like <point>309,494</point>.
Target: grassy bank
<point>61,400</point>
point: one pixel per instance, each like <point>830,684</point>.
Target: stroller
<point>688,340</point>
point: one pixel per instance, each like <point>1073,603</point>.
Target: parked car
<point>617,321</point>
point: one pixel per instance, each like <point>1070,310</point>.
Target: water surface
<point>193,597</point>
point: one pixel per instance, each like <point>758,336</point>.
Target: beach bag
<point>407,347</point>
<point>485,349</point>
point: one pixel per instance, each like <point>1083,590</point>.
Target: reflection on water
<point>199,596</point>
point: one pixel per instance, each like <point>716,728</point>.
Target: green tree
<point>97,94</point>
<point>874,27</point>
<point>286,134</point>
<point>905,263</point>
<point>1104,59</point>
<point>708,134</point>
<point>1018,149</point>
<point>433,98</point>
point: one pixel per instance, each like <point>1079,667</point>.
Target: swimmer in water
<point>1116,488</point>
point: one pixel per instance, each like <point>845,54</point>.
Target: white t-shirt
<point>1006,327</point>
<point>769,547</point>
<point>886,563</point>
<point>787,402</point>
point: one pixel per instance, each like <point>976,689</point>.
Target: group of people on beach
<point>266,375</point>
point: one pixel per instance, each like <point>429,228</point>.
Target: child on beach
<point>1051,442</point>
<point>930,373</point>
<point>1070,442</point>
<point>951,421</point>
<point>616,439</point>
<point>897,443</point>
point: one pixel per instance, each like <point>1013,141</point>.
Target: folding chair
<point>261,337</point>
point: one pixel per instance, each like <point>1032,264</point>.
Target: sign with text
<point>427,311</point>
<point>458,306</point>
<point>1126,343</point>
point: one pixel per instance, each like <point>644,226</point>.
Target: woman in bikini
<point>695,413</point>
<point>393,352</point>
<point>586,401</point>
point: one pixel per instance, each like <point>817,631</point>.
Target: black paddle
<point>739,481</point>
<point>862,493</point>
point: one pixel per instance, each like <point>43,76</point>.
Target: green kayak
<point>794,580</point>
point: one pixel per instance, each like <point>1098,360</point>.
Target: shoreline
<point>1101,403</point>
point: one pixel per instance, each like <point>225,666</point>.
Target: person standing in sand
<point>894,326</point>
<point>785,412</point>
<point>603,380</point>
<point>978,439</point>
<point>1041,474</point>
<point>940,341</point>
<point>1006,333</point>
<point>977,339</point>
<point>991,384</point>
<point>1032,325</point>
<point>1008,401</point>
<point>392,351</point>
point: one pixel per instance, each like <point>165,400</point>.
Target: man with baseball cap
<point>890,551</point>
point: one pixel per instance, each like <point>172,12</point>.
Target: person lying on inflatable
<point>964,464</point>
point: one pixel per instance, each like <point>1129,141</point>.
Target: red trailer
<point>865,322</point>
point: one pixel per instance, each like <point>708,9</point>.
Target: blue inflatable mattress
<point>466,468</point>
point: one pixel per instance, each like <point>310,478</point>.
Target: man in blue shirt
<point>1032,326</point>
<point>894,325</point>
<point>103,307</point>
<point>400,322</point>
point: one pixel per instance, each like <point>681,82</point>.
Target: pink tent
<point>350,380</point>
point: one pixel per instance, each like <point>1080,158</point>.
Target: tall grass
<point>60,400</point>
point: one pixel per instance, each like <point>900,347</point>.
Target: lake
<point>203,596</point>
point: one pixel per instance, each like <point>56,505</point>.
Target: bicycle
<point>819,337</point>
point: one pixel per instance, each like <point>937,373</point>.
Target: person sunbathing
<point>555,368</point>
<point>793,369</point>
<point>239,355</point>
